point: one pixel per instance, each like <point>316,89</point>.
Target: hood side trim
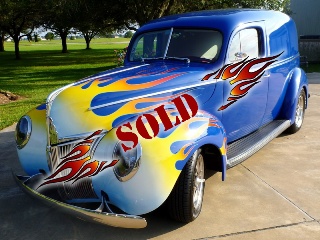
<point>153,94</point>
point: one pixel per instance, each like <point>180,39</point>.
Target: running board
<point>243,148</point>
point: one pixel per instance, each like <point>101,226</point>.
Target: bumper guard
<point>98,215</point>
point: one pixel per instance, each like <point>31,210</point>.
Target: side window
<point>244,43</point>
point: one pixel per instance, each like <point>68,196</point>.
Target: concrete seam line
<point>257,230</point>
<point>298,142</point>
<point>279,193</point>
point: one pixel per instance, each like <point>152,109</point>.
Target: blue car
<point>200,90</point>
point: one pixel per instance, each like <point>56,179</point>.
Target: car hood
<point>107,99</point>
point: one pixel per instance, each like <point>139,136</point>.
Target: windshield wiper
<point>179,58</point>
<point>155,58</point>
<point>163,58</point>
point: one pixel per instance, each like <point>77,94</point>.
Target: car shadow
<point>24,218</point>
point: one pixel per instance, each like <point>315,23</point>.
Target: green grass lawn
<point>43,68</point>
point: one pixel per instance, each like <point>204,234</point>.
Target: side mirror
<point>240,55</point>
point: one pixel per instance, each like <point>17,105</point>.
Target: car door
<point>245,85</point>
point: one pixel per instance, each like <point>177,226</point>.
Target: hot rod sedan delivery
<point>197,90</point>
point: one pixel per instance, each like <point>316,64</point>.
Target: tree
<point>18,18</point>
<point>29,37</point>
<point>49,36</point>
<point>60,17</point>
<point>36,37</point>
<point>93,18</point>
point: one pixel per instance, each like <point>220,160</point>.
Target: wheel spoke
<point>198,186</point>
<point>299,111</point>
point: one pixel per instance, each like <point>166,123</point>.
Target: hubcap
<point>299,111</point>
<point>198,186</point>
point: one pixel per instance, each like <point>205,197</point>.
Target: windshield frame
<point>137,38</point>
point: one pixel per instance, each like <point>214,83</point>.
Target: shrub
<point>120,55</point>
<point>49,36</point>
<point>128,34</point>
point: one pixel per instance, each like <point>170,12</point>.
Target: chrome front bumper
<point>98,215</point>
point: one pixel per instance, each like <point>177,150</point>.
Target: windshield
<point>195,45</point>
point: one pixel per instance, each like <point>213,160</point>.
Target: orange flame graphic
<point>213,123</point>
<point>240,74</point>
<point>123,84</point>
<point>78,164</point>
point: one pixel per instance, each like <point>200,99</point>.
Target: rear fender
<point>297,81</point>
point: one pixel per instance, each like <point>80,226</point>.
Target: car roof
<point>222,18</point>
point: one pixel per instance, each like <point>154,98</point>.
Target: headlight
<point>129,162</point>
<point>23,131</point>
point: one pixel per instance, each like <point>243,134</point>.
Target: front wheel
<point>299,114</point>
<point>185,200</point>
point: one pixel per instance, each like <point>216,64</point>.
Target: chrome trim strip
<point>111,219</point>
<point>168,43</point>
<point>108,74</point>
<point>283,61</point>
<point>49,123</point>
<point>78,138</point>
<point>54,94</point>
<point>202,83</point>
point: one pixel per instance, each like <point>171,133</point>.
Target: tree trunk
<point>16,46</point>
<point>88,40</point>
<point>1,43</point>
<point>64,43</point>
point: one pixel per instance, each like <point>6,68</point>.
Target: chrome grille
<point>54,157</point>
<point>81,189</point>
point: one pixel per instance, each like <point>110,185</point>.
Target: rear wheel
<point>185,201</point>
<point>299,114</point>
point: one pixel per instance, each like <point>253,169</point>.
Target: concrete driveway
<point>275,194</point>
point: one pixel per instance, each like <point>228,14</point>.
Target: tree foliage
<point>92,18</point>
<point>128,12</point>
<point>18,18</point>
<point>141,12</point>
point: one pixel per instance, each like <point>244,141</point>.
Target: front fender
<point>163,158</point>
<point>32,156</point>
<point>297,81</point>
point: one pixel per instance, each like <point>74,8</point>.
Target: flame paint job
<point>160,166</point>
<point>240,74</point>
<point>77,164</point>
<point>111,98</point>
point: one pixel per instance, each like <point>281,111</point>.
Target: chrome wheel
<point>198,186</point>
<point>300,111</point>
<point>185,201</point>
